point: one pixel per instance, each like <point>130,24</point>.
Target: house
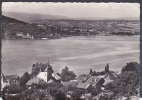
<point>13,80</point>
<point>19,34</point>
<point>85,87</point>
<point>99,82</point>
<point>107,80</point>
<point>82,78</point>
<point>26,36</point>
<point>92,80</point>
<point>49,74</point>
<point>95,80</point>
<point>45,75</point>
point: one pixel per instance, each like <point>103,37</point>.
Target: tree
<point>125,83</point>
<point>94,73</point>
<point>54,87</point>
<point>77,94</point>
<point>95,91</point>
<point>67,75</point>
<point>24,79</point>
<point>132,66</point>
<point>60,95</point>
<point>90,71</point>
<point>107,68</point>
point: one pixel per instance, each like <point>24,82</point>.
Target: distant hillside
<point>11,26</point>
<point>105,18</point>
<point>6,19</point>
<point>29,17</point>
<point>49,28</point>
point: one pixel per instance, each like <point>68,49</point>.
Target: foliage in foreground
<point>127,83</point>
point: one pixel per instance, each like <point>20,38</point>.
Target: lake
<point>80,54</point>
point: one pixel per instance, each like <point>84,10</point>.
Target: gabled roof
<point>83,85</point>
<point>35,80</point>
<point>43,75</point>
<point>11,77</point>
<point>56,76</point>
<point>92,80</point>
<point>96,83</point>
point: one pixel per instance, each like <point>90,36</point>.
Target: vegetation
<point>24,78</point>
<point>62,28</point>
<point>127,83</point>
<point>96,90</point>
<point>67,75</point>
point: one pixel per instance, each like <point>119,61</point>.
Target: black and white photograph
<point>70,51</point>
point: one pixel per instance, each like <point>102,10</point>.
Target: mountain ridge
<point>31,17</point>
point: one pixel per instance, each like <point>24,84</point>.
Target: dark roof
<point>72,83</point>
<point>100,81</point>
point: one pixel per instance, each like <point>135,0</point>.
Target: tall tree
<point>67,75</point>
<point>24,79</point>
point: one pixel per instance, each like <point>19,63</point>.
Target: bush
<point>77,94</point>
<point>14,90</point>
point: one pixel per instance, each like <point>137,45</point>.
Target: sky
<point>76,10</point>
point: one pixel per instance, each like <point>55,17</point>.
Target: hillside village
<point>45,84</point>
<point>48,29</point>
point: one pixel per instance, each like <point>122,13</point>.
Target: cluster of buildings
<point>46,75</point>
<point>22,36</point>
<point>54,32</point>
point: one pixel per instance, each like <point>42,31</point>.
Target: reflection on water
<point>78,53</point>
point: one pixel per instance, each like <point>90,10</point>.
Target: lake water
<point>80,54</point>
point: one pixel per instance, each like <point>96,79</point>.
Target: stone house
<point>13,80</point>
